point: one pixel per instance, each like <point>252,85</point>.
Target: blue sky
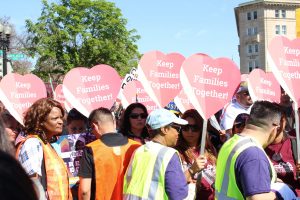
<point>186,27</point>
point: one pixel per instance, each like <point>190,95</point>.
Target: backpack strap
<point>294,149</point>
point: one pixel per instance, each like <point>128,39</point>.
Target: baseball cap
<point>162,117</point>
<point>243,87</point>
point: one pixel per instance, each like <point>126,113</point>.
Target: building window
<point>256,63</point>
<point>249,31</point>
<point>249,48</point>
<point>249,15</point>
<point>283,13</point>
<point>256,48</point>
<point>255,15</point>
<point>250,66</point>
<point>277,13</point>
<point>255,31</point>
<point>277,29</point>
<point>283,28</point>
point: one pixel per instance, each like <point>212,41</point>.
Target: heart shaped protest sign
<point>60,97</point>
<point>134,92</point>
<point>244,77</point>
<point>182,102</point>
<point>263,86</point>
<point>159,75</point>
<point>209,83</point>
<point>87,89</point>
<point>19,92</point>
<point>284,59</point>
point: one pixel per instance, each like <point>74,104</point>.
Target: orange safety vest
<point>110,164</point>
<point>56,172</point>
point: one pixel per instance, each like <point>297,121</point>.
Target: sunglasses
<point>136,115</point>
<point>193,128</point>
<point>177,127</point>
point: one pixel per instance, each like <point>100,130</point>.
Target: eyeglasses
<point>136,115</point>
<point>175,126</point>
<point>193,128</point>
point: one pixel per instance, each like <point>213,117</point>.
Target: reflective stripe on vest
<point>56,172</point>
<point>163,154</point>
<point>241,145</point>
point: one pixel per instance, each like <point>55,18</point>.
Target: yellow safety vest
<point>145,175</point>
<point>225,185</point>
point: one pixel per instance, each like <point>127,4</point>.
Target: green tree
<point>74,33</point>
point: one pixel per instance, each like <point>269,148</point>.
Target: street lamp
<point>5,32</point>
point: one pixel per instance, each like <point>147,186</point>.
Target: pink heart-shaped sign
<point>19,92</point>
<point>284,59</point>
<point>159,75</point>
<point>209,83</point>
<point>244,77</point>
<point>263,86</point>
<point>60,97</point>
<point>182,102</point>
<point>134,92</point>
<point>87,89</point>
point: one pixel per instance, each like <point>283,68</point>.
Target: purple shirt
<point>252,172</point>
<point>176,185</point>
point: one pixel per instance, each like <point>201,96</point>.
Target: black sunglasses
<point>193,128</point>
<point>175,126</point>
<point>136,115</point>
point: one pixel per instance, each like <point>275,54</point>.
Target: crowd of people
<point>133,154</point>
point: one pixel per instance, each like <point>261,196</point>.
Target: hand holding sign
<point>159,75</point>
<point>19,92</point>
<point>88,89</point>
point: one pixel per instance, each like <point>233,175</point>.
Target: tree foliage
<point>75,33</point>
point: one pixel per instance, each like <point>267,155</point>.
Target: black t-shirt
<point>87,168</point>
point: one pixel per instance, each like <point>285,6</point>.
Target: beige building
<point>258,22</point>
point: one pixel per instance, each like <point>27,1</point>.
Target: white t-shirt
<point>229,114</point>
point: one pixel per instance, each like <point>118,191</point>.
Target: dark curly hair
<point>182,146</point>
<point>37,114</point>
<point>125,126</point>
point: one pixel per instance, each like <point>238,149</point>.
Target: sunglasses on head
<point>193,128</point>
<point>176,126</point>
<point>136,115</point>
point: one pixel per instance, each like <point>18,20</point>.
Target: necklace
<point>277,155</point>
